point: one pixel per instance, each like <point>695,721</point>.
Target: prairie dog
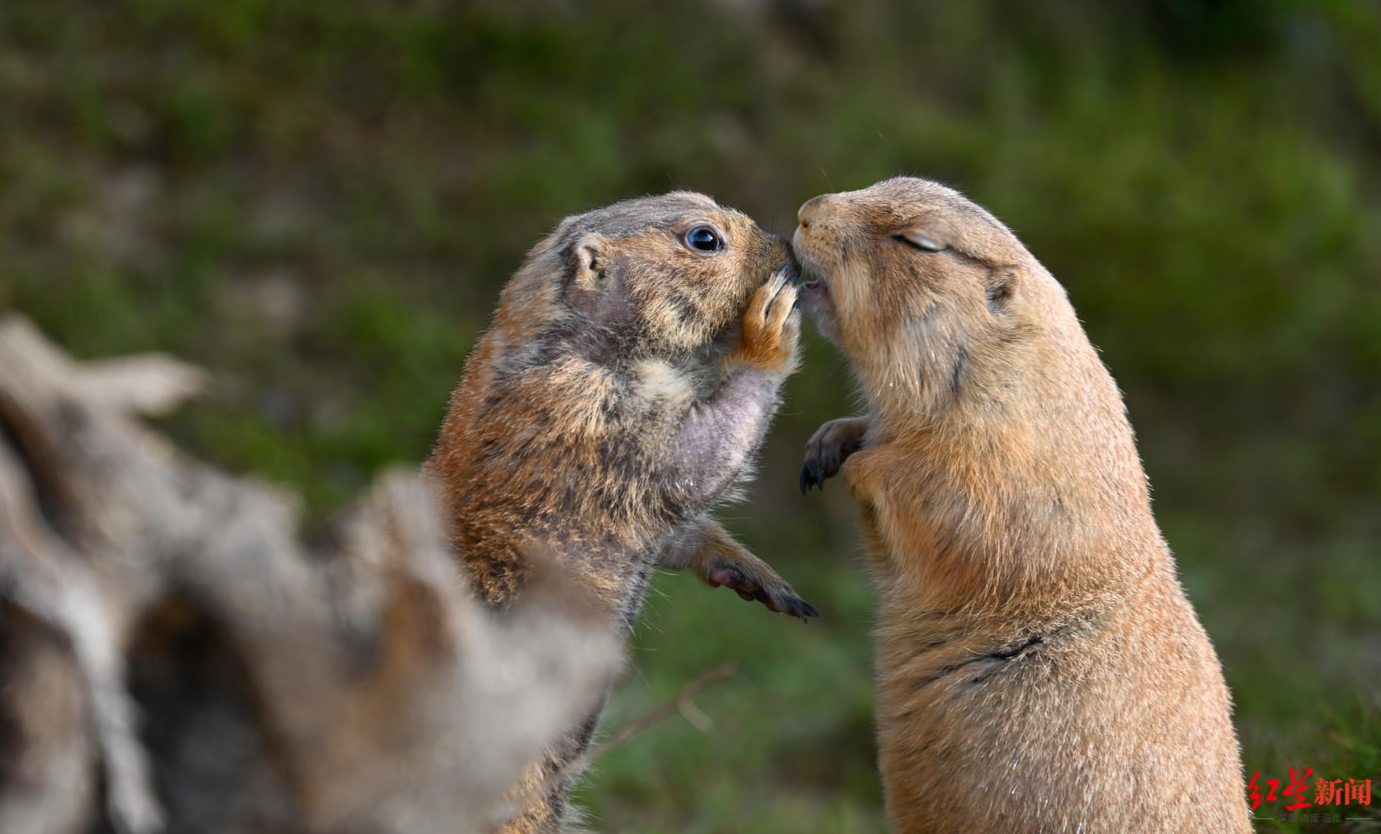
<point>628,377</point>
<point>1039,667</point>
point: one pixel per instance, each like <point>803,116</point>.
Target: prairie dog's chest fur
<point>571,456</point>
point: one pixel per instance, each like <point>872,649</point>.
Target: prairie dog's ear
<point>922,238</point>
<point>596,285</point>
<point>1002,285</point>
<point>591,254</point>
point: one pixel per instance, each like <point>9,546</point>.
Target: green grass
<point>319,201</point>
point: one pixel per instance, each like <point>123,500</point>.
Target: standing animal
<point>628,378</point>
<point>1039,668</point>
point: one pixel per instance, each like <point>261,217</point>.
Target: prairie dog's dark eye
<point>704,239</point>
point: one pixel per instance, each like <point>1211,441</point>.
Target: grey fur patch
<point>960,369</point>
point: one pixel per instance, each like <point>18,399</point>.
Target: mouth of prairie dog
<point>818,287</point>
<point>802,261</point>
<point>815,296</point>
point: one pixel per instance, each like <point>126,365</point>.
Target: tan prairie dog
<point>628,378</point>
<point>1039,666</point>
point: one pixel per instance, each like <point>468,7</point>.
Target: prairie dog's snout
<point>791,266</point>
<point>816,228</point>
<point>812,210</point>
<point>812,236</point>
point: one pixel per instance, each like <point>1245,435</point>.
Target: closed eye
<point>920,243</point>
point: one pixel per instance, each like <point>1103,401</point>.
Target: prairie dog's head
<point>926,291</point>
<point>651,276</point>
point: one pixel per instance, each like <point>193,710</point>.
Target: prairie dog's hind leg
<point>713,555</point>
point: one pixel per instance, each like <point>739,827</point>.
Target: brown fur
<point>620,393</point>
<point>1039,666</point>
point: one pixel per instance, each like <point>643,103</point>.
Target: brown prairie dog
<point>628,378</point>
<point>1039,666</point>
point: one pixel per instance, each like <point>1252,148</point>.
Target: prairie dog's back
<point>1038,662</point>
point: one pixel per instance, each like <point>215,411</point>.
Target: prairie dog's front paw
<point>771,326</point>
<point>829,447</point>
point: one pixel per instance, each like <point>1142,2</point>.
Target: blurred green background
<point>319,201</point>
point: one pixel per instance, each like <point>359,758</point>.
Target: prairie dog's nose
<point>811,210</point>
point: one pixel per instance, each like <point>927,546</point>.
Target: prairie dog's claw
<point>776,595</point>
<point>771,326</point>
<point>828,448</point>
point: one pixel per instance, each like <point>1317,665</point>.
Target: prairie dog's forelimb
<point>829,447</point>
<point>713,555</point>
<point>718,435</point>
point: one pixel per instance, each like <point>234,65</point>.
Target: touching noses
<point>812,210</point>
